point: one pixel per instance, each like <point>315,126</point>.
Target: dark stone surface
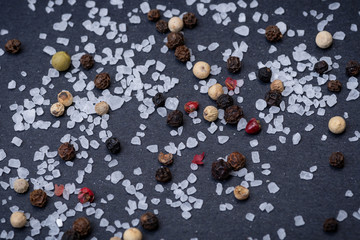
<point>315,200</point>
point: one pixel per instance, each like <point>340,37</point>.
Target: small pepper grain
<point>38,198</point>
<point>210,113</point>
<point>175,118</point>
<point>132,234</point>
<point>102,108</point>
<point>175,24</point>
<point>233,64</point>
<point>102,80</point>
<point>273,98</point>
<point>61,61</point>
<point>13,46</point>
<point>113,145</point>
<point>236,161</point>
<point>166,159</point>
<point>241,193</point>
<point>337,125</point>
<point>352,68</point>
<point>321,67</point>
<point>57,109</point>
<point>66,151</point>
<point>201,70</point>
<point>277,85</point>
<point>163,174</point>
<point>273,34</point>
<point>65,98</point>
<point>159,100</point>
<point>153,15</point>
<point>233,114</point>
<point>337,160</point>
<point>21,185</point>
<point>220,170</point>
<point>224,101</point>
<point>190,20</point>
<point>87,61</point>
<point>175,39</point>
<point>162,26</point>
<point>82,226</point>
<point>334,85</point>
<point>264,74</point>
<point>215,91</point>
<point>182,53</point>
<point>71,234</point>
<point>149,221</point>
<point>330,225</point>
<point>18,220</point>
<point>323,39</point>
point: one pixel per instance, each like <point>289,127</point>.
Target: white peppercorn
<point>277,85</point>
<point>102,108</point>
<point>132,234</point>
<point>210,113</point>
<point>337,125</point>
<point>18,220</point>
<point>215,91</point>
<point>241,193</point>
<point>65,97</point>
<point>57,109</point>
<point>201,70</point>
<point>323,39</point>
<point>175,24</point>
<point>21,185</point>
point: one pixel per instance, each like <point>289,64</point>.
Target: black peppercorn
<point>224,101</point>
<point>321,67</point>
<point>352,68</point>
<point>337,160</point>
<point>189,20</point>
<point>334,86</point>
<point>273,98</point>
<point>273,33</point>
<point>175,118</point>
<point>236,161</point>
<point>149,221</point>
<point>82,226</point>
<point>102,81</point>
<point>163,174</point>
<point>113,145</point>
<point>159,100</point>
<point>233,64</point>
<point>153,15</point>
<point>38,198</point>
<point>330,225</point>
<point>162,26</point>
<point>220,169</point>
<point>66,151</point>
<point>174,40</point>
<point>87,61</point>
<point>13,46</point>
<point>264,74</point>
<point>71,235</point>
<point>182,53</point>
<point>233,114</point>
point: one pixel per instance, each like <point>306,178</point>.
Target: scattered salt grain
<point>334,6</point>
<point>16,141</point>
<point>349,193</point>
<point>250,217</point>
<point>281,233</point>
<point>296,138</point>
<point>254,143</point>
<point>306,175</point>
<point>342,215</point>
<point>273,187</point>
<point>242,30</point>
<point>223,139</point>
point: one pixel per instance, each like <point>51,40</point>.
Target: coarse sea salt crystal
<point>349,193</point>
<point>299,221</point>
<point>334,6</point>
<point>242,30</point>
<point>340,35</point>
<point>223,139</point>
<point>260,104</point>
<point>306,175</point>
<point>342,215</point>
<point>16,141</point>
<point>281,233</point>
<point>273,187</point>
<point>250,217</point>
<point>296,138</point>
<point>255,157</point>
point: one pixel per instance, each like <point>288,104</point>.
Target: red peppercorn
<point>253,126</point>
<point>86,195</point>
<point>230,83</point>
<point>191,106</point>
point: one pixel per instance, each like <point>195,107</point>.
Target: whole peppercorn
<point>352,68</point>
<point>224,101</point>
<point>163,174</point>
<point>264,74</point>
<point>66,151</point>
<point>330,225</point>
<point>162,26</point>
<point>233,64</point>
<point>337,160</point>
<point>233,114</point>
<point>337,125</point>
<point>153,15</point>
<point>182,53</point>
<point>166,159</point>
<point>236,161</point>
<point>61,61</point>
<point>334,86</point>
<point>273,33</point>
<point>102,108</point>
<point>159,100</point>
<point>175,39</point>
<point>277,85</point>
<point>189,20</point>
<point>273,98</point>
<point>18,220</point>
<point>71,234</point>
<point>57,109</point>
<point>220,170</point>
<point>215,91</point>
<point>175,118</point>
<point>38,198</point>
<point>13,46</point>
<point>241,193</point>
<point>210,113</point>
<point>230,83</point>
<point>87,61</point>
<point>113,145</point>
<point>321,67</point>
<point>132,234</point>
<point>82,226</point>
<point>201,70</point>
<point>102,81</point>
<point>65,98</point>
<point>191,106</point>
<point>149,221</point>
<point>21,185</point>
<point>324,39</point>
<point>115,238</point>
<point>86,195</point>
<point>175,24</point>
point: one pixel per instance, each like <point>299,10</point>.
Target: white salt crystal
<point>309,127</point>
<point>242,30</point>
<point>306,175</point>
<point>241,124</point>
<point>137,171</point>
<point>12,84</point>
<point>145,7</point>
<point>213,46</point>
<point>250,217</point>
<point>299,221</point>
<point>152,148</point>
<point>281,233</point>
<point>340,35</point>
<point>334,6</point>
<point>296,138</point>
<point>219,189</point>
<point>273,187</point>
<point>349,193</point>
<point>191,142</point>
<point>354,27</point>
<point>14,163</point>
<point>313,169</point>
<point>16,141</point>
<point>186,215</point>
<point>201,136</point>
<point>260,104</point>
<point>279,11</point>
<point>254,143</point>
<point>282,26</point>
<point>272,148</point>
<point>342,215</point>
<point>136,141</point>
<point>255,157</point>
<point>171,103</point>
<point>353,95</point>
<point>223,139</point>
<point>323,137</point>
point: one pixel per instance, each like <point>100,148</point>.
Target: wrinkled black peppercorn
<point>233,64</point>
<point>321,67</point>
<point>189,20</point>
<point>330,225</point>
<point>334,86</point>
<point>71,235</point>
<point>233,114</point>
<point>174,40</point>
<point>220,169</point>
<point>224,101</point>
<point>102,80</point>
<point>162,26</point>
<point>264,74</point>
<point>236,161</point>
<point>149,221</point>
<point>163,174</point>
<point>113,145</point>
<point>175,118</point>
<point>182,53</point>
<point>273,98</point>
<point>153,15</point>
<point>273,34</point>
<point>337,160</point>
<point>352,68</point>
<point>87,61</point>
<point>13,46</point>
<point>159,100</point>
